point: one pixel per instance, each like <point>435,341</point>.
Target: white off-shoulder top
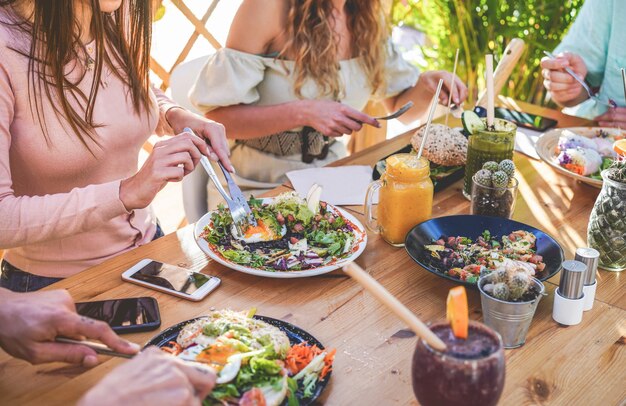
<point>232,77</point>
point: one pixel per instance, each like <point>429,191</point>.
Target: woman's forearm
<point>249,121</point>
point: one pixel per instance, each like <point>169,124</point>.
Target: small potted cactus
<point>509,298</point>
<point>607,224</point>
<point>494,189</point>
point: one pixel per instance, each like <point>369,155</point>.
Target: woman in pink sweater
<point>76,107</point>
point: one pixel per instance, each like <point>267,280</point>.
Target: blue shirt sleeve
<point>589,37</point>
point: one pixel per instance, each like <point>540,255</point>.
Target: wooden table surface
<point>577,365</point>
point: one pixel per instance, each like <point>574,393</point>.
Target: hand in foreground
<point>152,378</point>
<point>212,132</point>
<point>428,82</point>
<point>334,119</point>
<point>31,321</point>
<point>614,117</point>
<point>169,161</point>
<point>564,89</point>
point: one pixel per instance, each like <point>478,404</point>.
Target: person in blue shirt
<point>594,49</point>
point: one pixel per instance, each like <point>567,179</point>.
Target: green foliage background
<point>478,27</point>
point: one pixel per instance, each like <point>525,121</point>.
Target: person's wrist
<point>127,197</point>
<point>300,110</point>
<point>173,117</point>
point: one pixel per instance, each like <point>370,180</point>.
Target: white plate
<point>547,149</point>
<point>360,236</point>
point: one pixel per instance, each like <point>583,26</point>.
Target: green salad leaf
<point>296,208</point>
<point>486,235</point>
<point>606,164</point>
<point>292,399</point>
<point>258,372</point>
<point>221,221</point>
<point>222,392</point>
<point>243,257</point>
<point>252,202</point>
<point>264,365</point>
<point>334,241</point>
<point>308,384</point>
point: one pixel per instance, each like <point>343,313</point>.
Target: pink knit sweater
<point>60,210</point>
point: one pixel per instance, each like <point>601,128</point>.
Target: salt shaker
<point>589,257</point>
<point>569,299</point>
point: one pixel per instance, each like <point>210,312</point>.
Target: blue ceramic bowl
<point>472,226</point>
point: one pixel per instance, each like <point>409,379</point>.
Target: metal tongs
<point>236,201</point>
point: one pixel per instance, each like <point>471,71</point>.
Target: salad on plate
<point>255,362</point>
<point>292,234</point>
<point>465,259</point>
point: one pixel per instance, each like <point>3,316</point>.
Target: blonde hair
<point>312,43</point>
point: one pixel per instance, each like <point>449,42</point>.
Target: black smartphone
<point>131,315</point>
<point>526,120</point>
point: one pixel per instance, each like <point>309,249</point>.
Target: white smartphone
<point>171,279</point>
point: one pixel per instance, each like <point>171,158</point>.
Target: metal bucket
<point>510,319</point>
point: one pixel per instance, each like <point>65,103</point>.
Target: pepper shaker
<point>569,299</point>
<point>589,257</point>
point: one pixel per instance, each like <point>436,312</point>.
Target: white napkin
<point>525,141</point>
<point>342,185</point>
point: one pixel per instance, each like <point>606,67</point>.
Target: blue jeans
<point>19,281</point>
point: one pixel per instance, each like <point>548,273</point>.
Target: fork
<point>396,113</point>
<point>102,349</point>
<point>239,209</point>
<point>393,115</point>
<point>97,347</point>
<point>584,84</point>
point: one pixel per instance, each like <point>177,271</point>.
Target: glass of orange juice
<point>405,198</point>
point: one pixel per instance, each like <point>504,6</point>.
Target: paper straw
<point>490,91</point>
<point>385,297</point>
<point>452,83</point>
<point>433,106</point>
<point>624,81</point>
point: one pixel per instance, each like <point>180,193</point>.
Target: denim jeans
<point>19,281</point>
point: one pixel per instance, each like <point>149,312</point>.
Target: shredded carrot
<point>575,168</point>
<point>300,355</point>
<point>194,335</point>
<point>328,362</point>
<point>174,348</point>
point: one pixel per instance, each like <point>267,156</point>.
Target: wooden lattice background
<point>200,30</point>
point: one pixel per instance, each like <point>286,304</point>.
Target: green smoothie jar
<point>487,144</point>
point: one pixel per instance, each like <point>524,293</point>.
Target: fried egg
<point>260,233</point>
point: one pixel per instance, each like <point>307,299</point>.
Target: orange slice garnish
<point>456,311</point>
<point>620,147</point>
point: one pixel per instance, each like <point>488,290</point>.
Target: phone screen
<point>122,313</point>
<point>171,277</point>
<point>526,120</point>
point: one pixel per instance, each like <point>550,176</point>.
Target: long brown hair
<point>122,42</point>
<point>313,44</point>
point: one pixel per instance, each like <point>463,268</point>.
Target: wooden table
<point>578,365</point>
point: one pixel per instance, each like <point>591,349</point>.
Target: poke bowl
<point>464,247</point>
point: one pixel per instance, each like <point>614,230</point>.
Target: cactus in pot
<point>510,285</point>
